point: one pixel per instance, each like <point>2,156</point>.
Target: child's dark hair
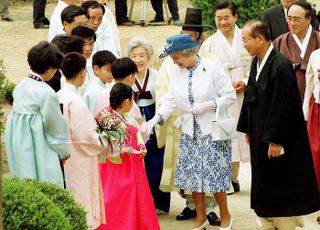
<point>119,93</point>
<point>73,63</point>
<point>102,58</point>
<point>84,32</point>
<point>122,68</point>
<point>44,56</point>
<point>68,44</point>
<point>70,12</point>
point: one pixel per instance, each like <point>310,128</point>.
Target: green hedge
<point>31,204</point>
<point>247,9</point>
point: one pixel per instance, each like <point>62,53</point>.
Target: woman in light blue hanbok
<point>36,135</point>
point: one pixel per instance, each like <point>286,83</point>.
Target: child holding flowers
<point>127,197</point>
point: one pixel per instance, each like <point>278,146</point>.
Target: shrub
<point>64,200</point>
<point>247,9</point>
<point>6,86</point>
<point>52,197</point>
<point>25,207</point>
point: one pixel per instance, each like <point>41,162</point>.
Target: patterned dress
<point>203,165</point>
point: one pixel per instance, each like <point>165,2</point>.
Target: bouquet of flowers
<point>111,129</point>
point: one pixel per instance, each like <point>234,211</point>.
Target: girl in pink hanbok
<point>128,200</point>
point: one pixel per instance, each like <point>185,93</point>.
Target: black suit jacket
<point>275,19</point>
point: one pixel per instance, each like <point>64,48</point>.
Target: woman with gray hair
<point>199,88</point>
<point>140,51</point>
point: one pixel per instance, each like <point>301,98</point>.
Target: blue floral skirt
<point>203,165</point>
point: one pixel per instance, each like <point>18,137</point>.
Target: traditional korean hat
<point>177,43</point>
<point>193,21</point>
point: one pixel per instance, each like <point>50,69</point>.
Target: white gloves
<point>151,123</point>
<point>203,107</point>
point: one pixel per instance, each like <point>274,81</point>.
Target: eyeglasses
<point>94,19</point>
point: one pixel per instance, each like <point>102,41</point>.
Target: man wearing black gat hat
<point>170,133</point>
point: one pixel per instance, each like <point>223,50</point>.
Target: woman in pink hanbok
<point>128,200</point>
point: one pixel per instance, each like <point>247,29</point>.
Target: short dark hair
<point>258,28</point>
<point>84,32</point>
<point>70,12</point>
<point>305,5</point>
<point>68,44</point>
<point>225,4</point>
<point>102,58</point>
<point>119,93</point>
<point>92,5</point>
<point>44,56</point>
<point>73,63</point>
<point>123,67</point>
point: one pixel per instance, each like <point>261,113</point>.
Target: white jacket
<point>209,82</point>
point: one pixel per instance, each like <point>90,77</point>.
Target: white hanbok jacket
<point>312,82</point>
<point>56,26</point>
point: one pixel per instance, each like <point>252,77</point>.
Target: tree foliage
<point>247,9</point>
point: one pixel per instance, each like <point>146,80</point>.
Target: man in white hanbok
<point>56,26</point>
<point>226,45</point>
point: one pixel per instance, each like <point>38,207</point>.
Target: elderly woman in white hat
<point>198,87</point>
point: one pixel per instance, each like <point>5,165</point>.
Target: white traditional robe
<point>107,36</point>
<point>236,62</point>
<point>82,169</point>
<point>56,26</point>
<point>312,82</point>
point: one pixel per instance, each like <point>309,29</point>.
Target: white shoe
<point>229,227</point>
<point>202,226</point>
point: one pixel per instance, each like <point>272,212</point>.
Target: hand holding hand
<point>143,153</point>
<point>202,107</point>
<point>274,150</point>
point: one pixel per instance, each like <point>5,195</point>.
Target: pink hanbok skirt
<point>127,196</point>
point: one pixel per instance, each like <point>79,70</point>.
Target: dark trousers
<point>121,11</point>
<point>173,8</point>
<point>39,8</point>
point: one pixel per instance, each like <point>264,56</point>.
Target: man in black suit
<point>39,19</point>
<point>275,18</point>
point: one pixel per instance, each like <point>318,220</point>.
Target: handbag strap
<point>217,112</point>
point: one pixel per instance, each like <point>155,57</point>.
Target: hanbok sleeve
<point>82,129</point>
<point>102,101</point>
<point>54,125</point>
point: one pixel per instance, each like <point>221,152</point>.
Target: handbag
<point>223,129</point>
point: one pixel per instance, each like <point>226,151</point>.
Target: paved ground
<point>16,39</point>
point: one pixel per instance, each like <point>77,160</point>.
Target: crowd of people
<point>264,77</point>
